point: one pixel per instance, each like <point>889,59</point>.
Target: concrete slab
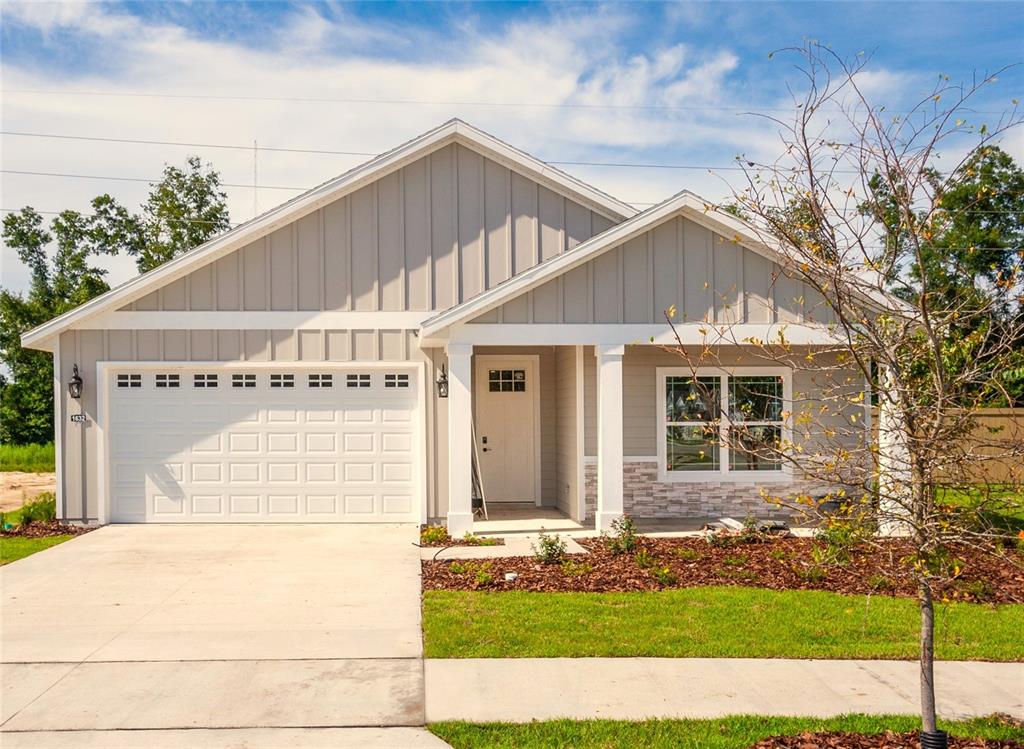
<point>23,683</point>
<point>525,689</point>
<point>237,738</point>
<point>229,694</point>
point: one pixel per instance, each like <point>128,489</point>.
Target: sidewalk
<point>525,689</point>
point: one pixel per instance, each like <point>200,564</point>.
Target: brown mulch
<point>43,530</point>
<point>776,564</point>
<point>887,740</point>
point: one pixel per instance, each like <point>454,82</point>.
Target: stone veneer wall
<point>643,496</point>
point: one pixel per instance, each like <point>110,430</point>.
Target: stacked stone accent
<point>643,496</point>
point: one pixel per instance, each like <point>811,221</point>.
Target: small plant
<point>664,576</point>
<point>687,555</point>
<point>43,509</point>
<point>644,560</point>
<point>623,537</point>
<point>549,549</point>
<point>815,574</point>
<point>840,537</point>
<point>483,575</point>
<point>740,576</point>
<point>780,555</point>
<point>980,590</point>
<point>460,568</point>
<point>736,560</point>
<point>721,537</point>
<point>571,568</point>
<point>433,534</point>
<point>880,583</point>
<point>474,540</point>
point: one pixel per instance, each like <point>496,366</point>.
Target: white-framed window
<point>357,380</point>
<point>321,380</point>
<point>204,380</point>
<point>168,380</point>
<point>282,380</point>
<point>243,380</point>
<point>394,380</point>
<point>132,380</point>
<point>722,425</point>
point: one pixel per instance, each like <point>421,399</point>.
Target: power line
<point>177,220</point>
<point>429,102</point>
<point>139,179</point>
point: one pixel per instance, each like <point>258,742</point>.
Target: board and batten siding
<point>707,277</point>
<point>567,440</point>
<point>426,237</point>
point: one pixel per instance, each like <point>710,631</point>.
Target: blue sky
<point>682,78</point>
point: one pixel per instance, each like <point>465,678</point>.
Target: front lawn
<point>709,622</point>
<point>13,548</point>
<point>734,732</point>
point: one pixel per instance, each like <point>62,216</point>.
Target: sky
<point>681,84</point>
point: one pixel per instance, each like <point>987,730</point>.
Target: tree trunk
<point>927,657</point>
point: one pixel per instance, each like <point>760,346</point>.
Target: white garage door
<point>261,445</point>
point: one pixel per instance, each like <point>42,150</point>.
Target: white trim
<point>609,436</point>
<point>450,132</point>
<point>105,368</point>
<point>534,360</point>
<point>685,204</point>
<point>568,334</point>
<point>723,474</point>
<point>460,439</point>
<point>255,320</point>
<point>581,436</point>
<point>58,432</point>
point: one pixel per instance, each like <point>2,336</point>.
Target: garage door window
<point>129,380</point>
<point>396,380</point>
<point>204,381</point>
<point>282,380</point>
<point>357,380</point>
<point>243,380</point>
<point>168,380</point>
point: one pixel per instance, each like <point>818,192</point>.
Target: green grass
<point>735,732</point>
<point>27,458</point>
<point>13,548</point>
<point>709,622</point>
<point>999,508</point>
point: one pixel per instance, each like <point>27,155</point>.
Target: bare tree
<point>851,209</point>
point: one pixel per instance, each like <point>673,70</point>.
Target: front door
<point>507,421</point>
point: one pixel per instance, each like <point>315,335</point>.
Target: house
<point>341,357</point>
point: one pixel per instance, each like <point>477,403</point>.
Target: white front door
<point>507,422</point>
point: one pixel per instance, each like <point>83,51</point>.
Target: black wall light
<point>442,383</point>
<point>75,384</point>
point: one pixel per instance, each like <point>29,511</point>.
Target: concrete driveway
<point>169,628</point>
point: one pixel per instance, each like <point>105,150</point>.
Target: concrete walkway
<point>247,627</point>
<point>525,689</point>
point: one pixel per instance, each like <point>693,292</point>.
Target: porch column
<point>893,461</point>
<point>460,439</point>
<point>609,435</point>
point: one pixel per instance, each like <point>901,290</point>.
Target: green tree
<point>183,210</point>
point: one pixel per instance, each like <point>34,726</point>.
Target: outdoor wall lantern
<point>442,383</point>
<point>75,384</point>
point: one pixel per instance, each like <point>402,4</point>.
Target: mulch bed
<point>776,564</point>
<point>887,740</point>
<point>44,530</point>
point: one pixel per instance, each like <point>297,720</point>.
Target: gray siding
<point>566,442</point>
<point>431,235</point>
<point>708,278</point>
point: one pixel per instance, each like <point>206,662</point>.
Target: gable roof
<point>685,203</point>
<point>453,131</point>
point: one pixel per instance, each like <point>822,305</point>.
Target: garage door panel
<point>218,453</point>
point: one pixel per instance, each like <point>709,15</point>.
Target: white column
<point>460,439</point>
<point>893,461</point>
<point>609,435</point>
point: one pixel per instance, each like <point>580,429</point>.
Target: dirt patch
<point>776,564</point>
<point>43,530</point>
<point>17,488</point>
<point>887,740</point>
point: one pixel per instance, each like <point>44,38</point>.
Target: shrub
<point>571,568</point>
<point>548,549</point>
<point>474,540</point>
<point>460,568</point>
<point>483,575</point>
<point>841,536</point>
<point>433,534</point>
<point>623,537</point>
<point>814,574</point>
<point>687,555</point>
<point>664,576</point>
<point>43,509</point>
<point>644,559</point>
<point>980,590</point>
<point>780,555</point>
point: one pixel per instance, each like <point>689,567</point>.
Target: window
<point>204,381</point>
<point>168,380</point>
<point>506,380</point>
<point>321,380</point>
<point>241,380</point>
<point>357,380</point>
<point>396,380</point>
<point>282,380</point>
<point>129,380</point>
<point>722,423</point>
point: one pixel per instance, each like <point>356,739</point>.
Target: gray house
<point>341,357</point>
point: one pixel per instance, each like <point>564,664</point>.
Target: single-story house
<point>341,357</point>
